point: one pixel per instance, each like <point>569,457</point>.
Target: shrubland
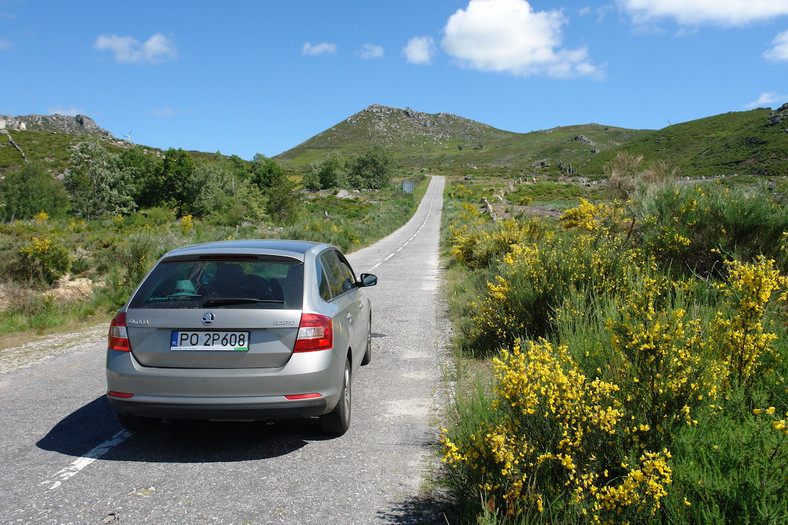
<point>623,363</point>
<point>116,212</point>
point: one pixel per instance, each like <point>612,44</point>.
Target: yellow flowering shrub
<point>533,280</point>
<point>599,219</point>
<point>44,260</point>
<point>659,356</point>
<point>585,216</point>
<point>641,406</point>
<point>40,218</point>
<point>479,247</point>
<point>186,224</point>
<point>741,341</point>
<point>555,440</point>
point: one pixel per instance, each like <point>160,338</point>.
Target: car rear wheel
<point>135,423</point>
<point>337,421</point>
<point>368,354</point>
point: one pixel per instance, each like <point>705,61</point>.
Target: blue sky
<point>261,77</point>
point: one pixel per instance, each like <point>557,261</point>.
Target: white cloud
<point>508,36</point>
<point>129,50</point>
<point>769,99</point>
<point>779,52</point>
<point>420,50</point>
<point>6,44</point>
<point>163,112</point>
<point>324,48</point>
<point>369,51</point>
<point>68,111</point>
<point>715,12</point>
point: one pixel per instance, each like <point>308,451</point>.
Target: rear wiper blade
<point>240,300</point>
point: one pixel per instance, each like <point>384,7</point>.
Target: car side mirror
<point>367,279</point>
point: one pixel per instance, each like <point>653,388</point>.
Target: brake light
<point>316,332</point>
<point>118,337</point>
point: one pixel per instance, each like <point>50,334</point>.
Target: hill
<point>749,142</point>
<point>745,143</point>
<point>419,139</point>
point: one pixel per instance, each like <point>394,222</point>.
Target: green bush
<point>695,227</point>
<point>30,191</point>
<point>44,260</point>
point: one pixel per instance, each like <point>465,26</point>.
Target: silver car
<point>241,330</point>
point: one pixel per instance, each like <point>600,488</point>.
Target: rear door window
<point>223,282</point>
<point>340,276</point>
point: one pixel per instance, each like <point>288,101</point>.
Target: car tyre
<point>368,353</point>
<point>337,421</point>
<point>135,423</point>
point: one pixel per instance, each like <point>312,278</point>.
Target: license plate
<point>214,341</point>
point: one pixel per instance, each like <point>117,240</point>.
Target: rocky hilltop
<point>78,125</point>
<point>405,131</point>
<point>389,123</point>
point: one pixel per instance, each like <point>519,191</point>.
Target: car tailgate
<point>272,335</point>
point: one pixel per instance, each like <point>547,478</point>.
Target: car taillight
<point>118,337</point>
<point>316,332</point>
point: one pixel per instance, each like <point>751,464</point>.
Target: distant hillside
<point>749,142</point>
<point>745,143</point>
<point>419,139</point>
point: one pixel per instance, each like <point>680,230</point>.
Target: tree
<point>276,186</point>
<point>141,168</point>
<point>25,193</point>
<point>325,174</point>
<point>176,171</point>
<point>167,184</point>
<point>372,170</point>
<point>223,197</point>
<point>99,184</point>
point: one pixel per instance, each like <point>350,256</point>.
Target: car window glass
<point>322,281</point>
<point>259,283</point>
<point>337,275</point>
<point>348,279</point>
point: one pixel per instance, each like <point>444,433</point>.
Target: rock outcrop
<point>78,125</point>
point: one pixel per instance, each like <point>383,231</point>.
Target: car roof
<point>295,249</point>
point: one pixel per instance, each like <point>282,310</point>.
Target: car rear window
<point>223,282</point>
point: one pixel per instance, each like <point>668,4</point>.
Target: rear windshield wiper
<point>240,300</point>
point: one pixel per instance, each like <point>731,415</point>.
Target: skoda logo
<point>208,318</point>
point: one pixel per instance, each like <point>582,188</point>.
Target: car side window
<point>322,280</point>
<point>340,276</point>
<point>348,279</point>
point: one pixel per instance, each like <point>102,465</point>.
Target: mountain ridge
<point>751,142</point>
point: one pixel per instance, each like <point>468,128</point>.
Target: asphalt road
<point>66,459</point>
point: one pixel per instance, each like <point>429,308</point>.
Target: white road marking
<point>82,462</point>
<point>426,218</point>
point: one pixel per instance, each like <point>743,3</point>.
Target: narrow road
<point>66,460</point>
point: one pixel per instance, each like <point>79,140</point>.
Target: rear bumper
<point>234,409</point>
<point>258,394</point>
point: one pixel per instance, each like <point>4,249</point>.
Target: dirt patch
<point>66,290</point>
<point>69,290</point>
<point>29,348</point>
